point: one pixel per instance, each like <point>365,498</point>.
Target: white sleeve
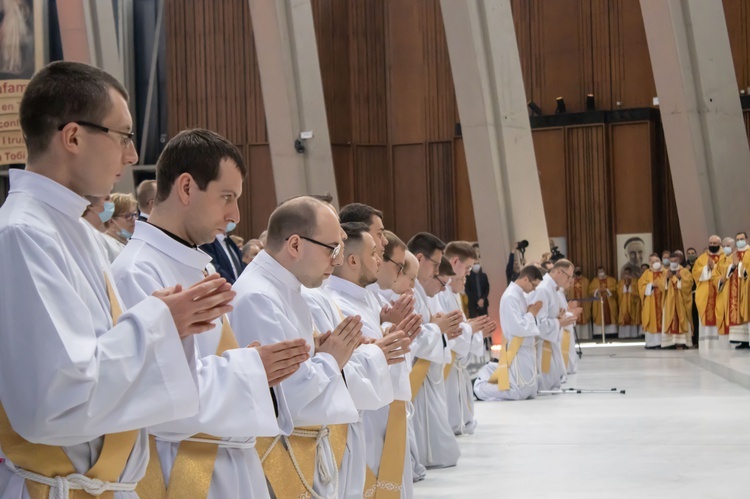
<point>83,381</point>
<point>549,326</point>
<point>515,320</point>
<point>649,289</point>
<point>428,344</point>
<point>705,274</point>
<point>368,378</point>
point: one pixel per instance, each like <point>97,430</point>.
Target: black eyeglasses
<point>441,281</point>
<point>127,137</point>
<point>335,250</point>
<point>399,265</point>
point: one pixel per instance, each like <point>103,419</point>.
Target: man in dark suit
<point>477,289</point>
<point>226,257</point>
<point>145,194</point>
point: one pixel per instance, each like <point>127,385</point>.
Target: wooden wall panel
<point>590,235</point>
<point>632,77</point>
<point>549,148</point>
<point>343,166</point>
<point>522,23</point>
<point>440,94</point>
<point>373,183</point>
<point>410,190</point>
<point>736,13</point>
<point>466,228</point>
<point>258,199</point>
<point>631,151</point>
<point>442,190</point>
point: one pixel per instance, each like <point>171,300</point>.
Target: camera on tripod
<point>522,245</point>
<point>556,254</point>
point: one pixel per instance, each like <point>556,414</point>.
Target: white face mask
<point>727,250</point>
<point>476,267</point>
<point>656,266</point>
<point>674,266</point>
<point>741,244</point>
<point>602,275</point>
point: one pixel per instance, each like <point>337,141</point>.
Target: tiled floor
<point>680,431</point>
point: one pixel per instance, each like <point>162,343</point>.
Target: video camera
<point>556,254</point>
<point>522,245</point>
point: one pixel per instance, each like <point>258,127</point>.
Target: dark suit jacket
<point>477,286</point>
<point>220,259</point>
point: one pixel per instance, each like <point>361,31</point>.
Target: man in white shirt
<point>436,443</point>
<point>200,180</point>
<point>83,375</point>
<point>385,428</point>
<point>303,246</point>
<point>552,319</point>
<point>514,375</point>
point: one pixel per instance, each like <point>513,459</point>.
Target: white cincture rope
<point>221,443</point>
<point>319,436</point>
<point>60,486</point>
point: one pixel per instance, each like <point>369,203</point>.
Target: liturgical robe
<point>629,308</point>
<point>706,294</point>
<point>651,287</point>
<point>235,402</point>
<point>71,376</point>
<point>516,322</point>
<point>678,305</point>
<point>269,307</point>
<point>551,334</point>
<point>369,384</point>
<point>735,296</point>
<point>578,291</point>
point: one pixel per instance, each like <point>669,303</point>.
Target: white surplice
<point>459,395</point>
<point>70,376</point>
<point>436,443</point>
<point>352,299</point>
<point>387,297</point>
<point>269,308</point>
<point>572,355</point>
<point>235,399</point>
<point>369,385</point>
<point>549,330</point>
<point>515,322</point>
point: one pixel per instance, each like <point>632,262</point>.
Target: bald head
<point>297,216</point>
<point>145,194</point>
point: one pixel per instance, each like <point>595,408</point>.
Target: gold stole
<point>507,355</point>
<point>418,375</point>
<point>566,337</point>
<point>448,367</point>
<point>546,356</point>
<point>388,483</point>
<point>674,314</point>
<point>51,461</point>
<point>194,464</point>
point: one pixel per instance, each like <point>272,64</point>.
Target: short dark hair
<point>296,216</point>
<point>691,248</point>
<point>198,152</point>
<point>425,244</point>
<point>532,272</point>
<point>462,249</point>
<point>60,93</point>
<point>741,232</point>
<point>354,234</point>
<point>358,212</point>
<point>394,242</point>
<point>445,267</point>
<point>674,254</point>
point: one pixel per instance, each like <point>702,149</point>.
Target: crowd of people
<point>146,354</point>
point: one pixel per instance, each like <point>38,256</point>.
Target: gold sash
<point>507,355</point>
<point>290,478</point>
<point>448,367</point>
<point>51,461</point>
<point>566,337</point>
<point>194,464</point>
<point>418,375</point>
<point>389,481</point>
<point>546,356</point>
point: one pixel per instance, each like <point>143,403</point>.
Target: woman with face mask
<point>122,224</point>
<point>98,214</point>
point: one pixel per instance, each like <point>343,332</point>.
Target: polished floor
<point>680,431</point>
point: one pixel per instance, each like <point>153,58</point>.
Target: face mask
<point>741,244</point>
<point>579,273</point>
<point>125,234</point>
<point>656,266</point>
<point>665,261</point>
<point>714,249</point>
<point>692,258</point>
<point>727,250</point>
<point>109,210</point>
<point>231,226</point>
<point>674,266</point>
<point>476,267</point>
<point>602,275</point>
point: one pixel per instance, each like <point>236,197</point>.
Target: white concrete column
<point>702,116</point>
<point>293,97</point>
<point>491,99</point>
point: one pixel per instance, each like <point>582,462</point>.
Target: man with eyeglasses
<point>80,377</point>
<point>552,319</point>
<point>303,247</point>
<point>514,375</point>
<point>604,312</point>
<point>436,444</point>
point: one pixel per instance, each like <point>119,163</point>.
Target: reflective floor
<point>680,431</point>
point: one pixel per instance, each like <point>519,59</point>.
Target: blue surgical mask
<point>741,244</point>
<point>125,234</point>
<point>727,250</point>
<point>665,261</point>
<point>231,226</point>
<point>109,210</point>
